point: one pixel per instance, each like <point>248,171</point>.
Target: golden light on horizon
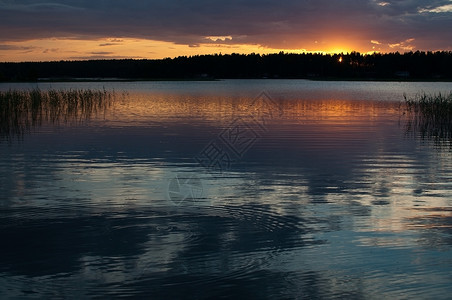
<point>117,47</point>
<point>54,49</point>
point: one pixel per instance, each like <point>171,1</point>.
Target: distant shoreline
<point>383,79</point>
<point>118,79</point>
<point>410,67</point>
<point>76,80</point>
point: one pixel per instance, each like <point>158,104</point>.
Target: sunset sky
<point>33,30</point>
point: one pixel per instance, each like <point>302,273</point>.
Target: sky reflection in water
<point>333,199</point>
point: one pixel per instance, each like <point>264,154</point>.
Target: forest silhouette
<point>351,66</point>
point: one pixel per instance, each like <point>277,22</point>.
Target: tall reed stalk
<point>430,116</point>
<point>22,110</point>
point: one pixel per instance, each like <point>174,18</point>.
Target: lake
<point>276,189</point>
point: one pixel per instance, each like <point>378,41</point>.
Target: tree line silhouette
<point>391,66</point>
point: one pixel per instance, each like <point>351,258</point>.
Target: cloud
<point>289,24</point>
<point>219,38</point>
<point>96,57</point>
<point>14,47</point>
<point>403,45</point>
<point>440,9</point>
<point>101,52</point>
<point>383,3</point>
<point>36,7</point>
<point>112,42</point>
<point>108,44</point>
<point>51,50</point>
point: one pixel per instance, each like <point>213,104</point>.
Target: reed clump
<point>430,115</point>
<point>23,110</point>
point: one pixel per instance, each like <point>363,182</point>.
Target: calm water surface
<point>218,190</point>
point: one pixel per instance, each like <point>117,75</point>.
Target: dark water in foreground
<point>215,190</point>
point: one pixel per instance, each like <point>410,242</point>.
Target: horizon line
<point>323,53</point>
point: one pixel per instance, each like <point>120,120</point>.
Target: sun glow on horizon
<point>127,48</point>
<point>54,49</point>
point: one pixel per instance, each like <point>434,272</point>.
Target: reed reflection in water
<point>333,201</point>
